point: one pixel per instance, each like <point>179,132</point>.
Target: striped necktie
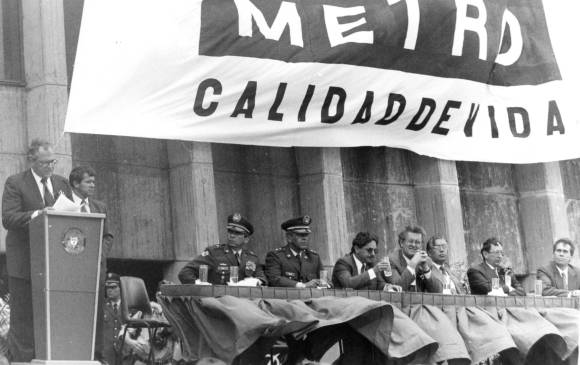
<point>48,198</point>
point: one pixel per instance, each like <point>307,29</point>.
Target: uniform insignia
<point>74,241</point>
<point>290,274</point>
<point>288,255</point>
<point>226,250</point>
<point>306,220</point>
<point>205,253</point>
<point>237,217</point>
<point>278,249</point>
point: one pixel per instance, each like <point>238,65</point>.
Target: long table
<point>238,324</point>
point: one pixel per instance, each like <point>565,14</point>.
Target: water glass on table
<point>203,269</point>
<point>234,270</point>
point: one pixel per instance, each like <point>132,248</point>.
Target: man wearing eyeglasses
<point>437,249</point>
<point>493,266</point>
<point>360,270</point>
<point>294,265</point>
<point>25,196</point>
<point>221,257</point>
<point>411,265</point>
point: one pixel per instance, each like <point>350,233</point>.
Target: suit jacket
<point>403,276</point>
<point>552,281</point>
<point>219,258</point>
<point>438,275</point>
<point>285,269</point>
<point>346,275</point>
<point>20,199</point>
<point>97,206</point>
<point>480,280</point>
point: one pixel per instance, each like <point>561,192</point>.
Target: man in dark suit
<point>437,249</point>
<point>411,265</point>
<point>360,270</point>
<point>294,265</point>
<point>559,277</point>
<point>493,266</point>
<point>221,257</point>
<point>82,180</point>
<point>25,196</point>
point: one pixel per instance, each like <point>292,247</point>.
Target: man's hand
<point>393,288</point>
<point>382,266</point>
<point>418,259</point>
<point>314,283</point>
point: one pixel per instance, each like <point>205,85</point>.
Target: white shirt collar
<point>77,199</point>
<point>493,268</point>
<point>562,272</point>
<point>38,179</point>
<point>357,262</point>
<point>293,252</point>
<point>437,265</point>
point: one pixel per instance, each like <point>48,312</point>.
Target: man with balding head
<point>411,264</point>
<point>25,196</point>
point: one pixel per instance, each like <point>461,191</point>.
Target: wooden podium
<point>65,251</point>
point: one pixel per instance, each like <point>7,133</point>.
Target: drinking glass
<point>323,277</point>
<point>203,269</point>
<point>388,272</point>
<point>538,288</point>
<point>495,284</point>
<point>234,274</point>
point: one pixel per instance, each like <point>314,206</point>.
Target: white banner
<point>481,80</point>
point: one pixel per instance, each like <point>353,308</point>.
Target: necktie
<point>363,268</point>
<point>237,254</point>
<point>48,198</point>
<point>443,271</point>
<point>84,206</point>
<point>565,279</point>
<point>115,308</point>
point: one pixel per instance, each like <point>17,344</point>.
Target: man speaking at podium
<point>25,196</point>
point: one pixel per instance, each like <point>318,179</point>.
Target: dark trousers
<point>21,333</point>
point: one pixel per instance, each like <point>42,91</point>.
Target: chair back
<point>134,298</point>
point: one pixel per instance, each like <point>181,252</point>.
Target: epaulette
<point>312,251</point>
<point>251,253</point>
<point>279,249</point>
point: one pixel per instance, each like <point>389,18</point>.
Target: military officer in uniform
<point>294,265</point>
<point>220,257</point>
<point>112,320</point>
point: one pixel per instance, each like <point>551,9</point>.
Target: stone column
<point>193,201</point>
<point>438,203</point>
<point>542,210</point>
<point>45,75</point>
<point>322,197</point>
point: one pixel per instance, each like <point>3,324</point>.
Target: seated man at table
<point>411,265</point>
<point>437,249</point>
<point>359,269</point>
<point>493,266</point>
<point>295,264</point>
<point>559,277</point>
<point>220,257</point>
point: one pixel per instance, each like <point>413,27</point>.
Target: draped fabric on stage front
<point>242,330</point>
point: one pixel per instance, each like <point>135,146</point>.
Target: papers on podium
<point>64,204</point>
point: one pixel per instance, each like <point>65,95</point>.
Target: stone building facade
<point>168,200</point>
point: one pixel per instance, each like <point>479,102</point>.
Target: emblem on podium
<point>74,241</point>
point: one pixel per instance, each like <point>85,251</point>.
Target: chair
<point>134,298</point>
